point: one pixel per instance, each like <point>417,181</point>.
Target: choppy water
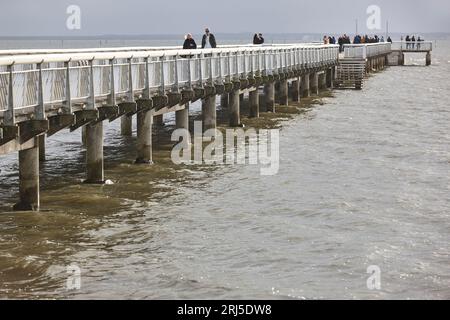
<point>363,180</point>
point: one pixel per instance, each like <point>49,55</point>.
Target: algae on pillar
<point>296,90</point>
<point>209,113</point>
<point>41,148</point>
<point>159,120</point>
<point>235,117</point>
<point>254,103</point>
<point>329,76</point>
<point>144,137</point>
<point>269,91</point>
<point>305,88</point>
<point>182,118</point>
<point>224,100</point>
<point>428,59</point>
<point>126,125</point>
<point>29,179</point>
<point>94,153</point>
<point>283,93</point>
<point>314,83</point>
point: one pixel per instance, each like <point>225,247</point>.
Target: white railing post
<point>112,89</point>
<point>130,80</point>
<point>67,105</point>
<point>146,93</point>
<point>10,117</point>
<point>40,108</point>
<point>162,88</point>
<point>177,84</point>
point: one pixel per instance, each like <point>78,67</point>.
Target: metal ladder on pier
<point>350,73</point>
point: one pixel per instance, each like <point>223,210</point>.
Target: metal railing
<point>364,51</point>
<point>29,83</point>
<point>412,46</point>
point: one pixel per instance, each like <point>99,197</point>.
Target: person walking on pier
<point>413,39</point>
<point>389,39</point>
<point>189,43</point>
<point>258,38</point>
<point>407,39</point>
<point>208,41</point>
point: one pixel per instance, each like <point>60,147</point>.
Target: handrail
<point>366,50</point>
<point>95,78</point>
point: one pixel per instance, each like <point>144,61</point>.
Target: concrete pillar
<point>159,120</point>
<point>209,113</point>
<point>314,83</point>
<point>29,179</point>
<point>296,90</point>
<point>329,76</point>
<point>305,88</point>
<point>182,118</point>
<point>235,117</point>
<point>283,93</point>
<point>401,59</point>
<point>224,100</point>
<point>254,103</point>
<point>322,81</point>
<point>83,136</point>
<point>41,148</point>
<point>144,137</point>
<point>94,153</point>
<point>428,59</point>
<point>269,92</point>
<point>126,125</point>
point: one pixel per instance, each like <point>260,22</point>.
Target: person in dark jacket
<point>208,41</point>
<point>189,43</point>
<point>258,39</point>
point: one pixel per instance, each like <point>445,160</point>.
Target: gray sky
<point>100,17</point>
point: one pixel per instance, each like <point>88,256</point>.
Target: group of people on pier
<point>411,42</point>
<point>358,39</point>
<point>209,40</point>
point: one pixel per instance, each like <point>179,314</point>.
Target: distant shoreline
<point>225,36</point>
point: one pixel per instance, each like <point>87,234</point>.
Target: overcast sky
<point>133,17</point>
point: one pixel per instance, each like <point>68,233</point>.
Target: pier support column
<point>305,86</point>
<point>254,103</point>
<point>182,118</point>
<point>144,137</point>
<point>126,126</point>
<point>29,179</point>
<point>224,100</point>
<point>283,93</point>
<point>428,59</point>
<point>269,92</point>
<point>314,83</point>
<point>83,136</point>
<point>94,153</point>
<point>209,113</point>
<point>296,90</point>
<point>235,117</point>
<point>42,148</point>
<point>401,59</point>
<point>322,81</point>
<point>330,75</point>
<point>159,120</point>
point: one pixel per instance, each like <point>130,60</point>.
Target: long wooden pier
<point>45,91</point>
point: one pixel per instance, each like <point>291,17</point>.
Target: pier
<point>44,92</point>
<point>399,48</point>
